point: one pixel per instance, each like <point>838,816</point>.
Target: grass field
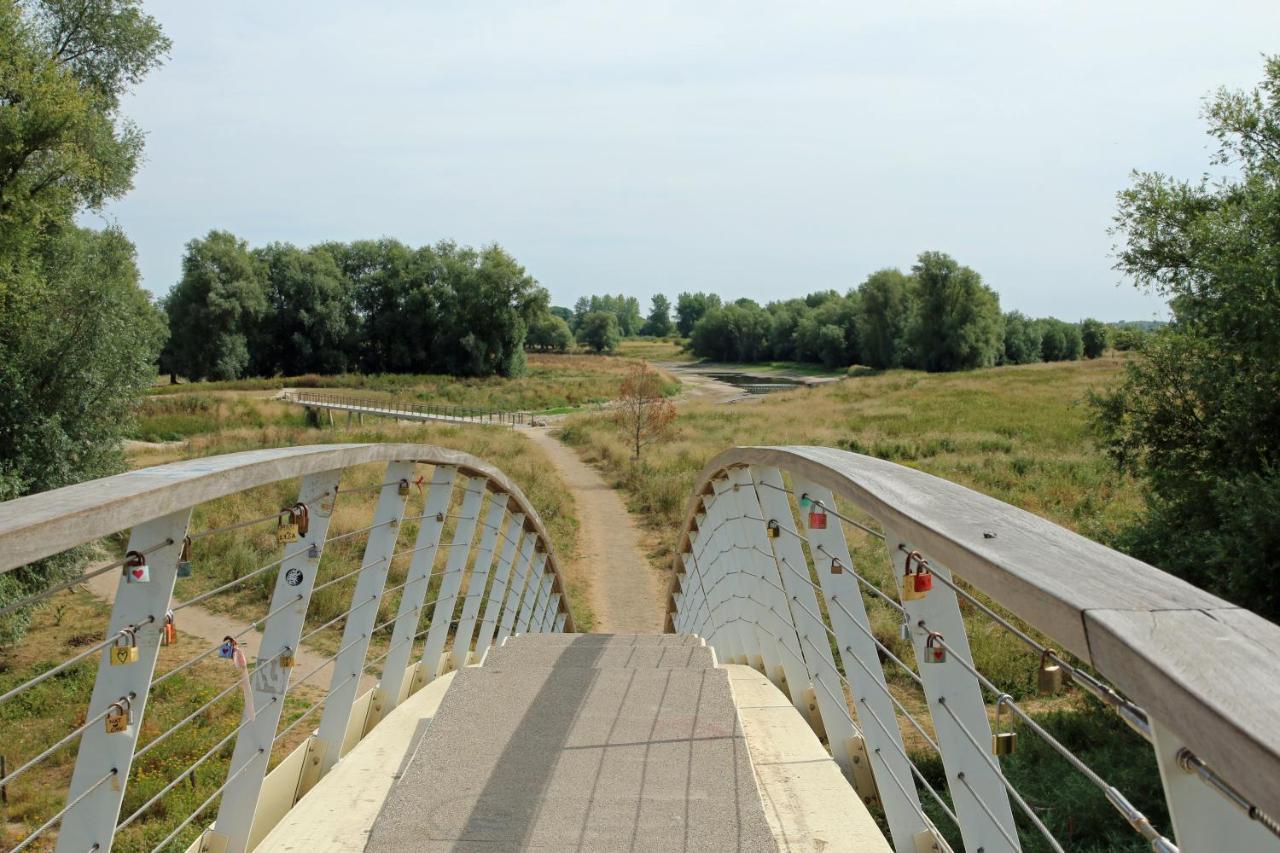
<point>554,384</point>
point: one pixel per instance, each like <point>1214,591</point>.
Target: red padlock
<point>817,518</point>
<point>923,579</point>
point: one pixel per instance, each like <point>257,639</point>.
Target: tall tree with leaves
<point>214,310</point>
<point>884,318</point>
<point>1198,414</point>
<point>690,307</point>
<point>658,323</point>
<point>78,336</point>
<point>309,325</point>
<point>958,323</point>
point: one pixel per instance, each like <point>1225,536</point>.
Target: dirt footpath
<point>626,593</point>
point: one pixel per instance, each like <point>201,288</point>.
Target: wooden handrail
<point>39,525</point>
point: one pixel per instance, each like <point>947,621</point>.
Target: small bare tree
<point>643,414</point>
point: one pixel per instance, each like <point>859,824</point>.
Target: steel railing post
<point>91,822</point>
<point>531,591</point>
<point>281,631</point>
<point>828,692</point>
<point>479,579</point>
<point>860,659</point>
<point>451,581</point>
<point>520,575</point>
<point>959,714</point>
<point>763,578</point>
<point>498,589</point>
<point>344,684</point>
<point>396,681</point>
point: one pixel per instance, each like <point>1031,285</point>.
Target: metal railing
<point>401,409</point>
<point>498,574</point>
<point>764,572</point>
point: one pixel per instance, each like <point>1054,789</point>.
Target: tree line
<point>376,306</point>
<point>938,317</point>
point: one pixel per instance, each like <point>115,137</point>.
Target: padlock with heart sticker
<point>136,569</point>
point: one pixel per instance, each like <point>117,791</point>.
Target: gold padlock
<point>772,529</point>
<point>912,588</point>
<point>286,658</point>
<point>117,720</point>
<point>1049,678</point>
<point>125,650</point>
<point>1002,743</point>
<point>286,529</point>
<point>403,488</point>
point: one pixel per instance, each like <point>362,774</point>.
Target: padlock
<point>286,529</point>
<point>118,717</point>
<point>837,567</point>
<point>817,517</point>
<point>168,633</point>
<point>313,553</point>
<point>912,588</point>
<point>286,658</point>
<point>934,651</point>
<point>1002,743</point>
<point>772,529</point>
<point>136,569</point>
<point>125,649</point>
<point>228,649</point>
<point>1049,678</point>
<point>403,488</point>
<point>184,558</point>
<point>805,502</point>
<point>301,518</point>
<point>904,631</point>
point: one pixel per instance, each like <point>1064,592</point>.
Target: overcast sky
<point>765,149</point>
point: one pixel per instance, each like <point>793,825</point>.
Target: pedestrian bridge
<point>816,689</point>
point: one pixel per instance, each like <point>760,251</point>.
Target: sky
<point>759,149</point>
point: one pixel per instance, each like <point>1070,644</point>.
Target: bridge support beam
<point>959,714</point>
<point>104,760</point>
<point>283,629</point>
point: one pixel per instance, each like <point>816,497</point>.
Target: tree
<point>1023,339</point>
<point>658,324</point>
<point>599,331</point>
<point>549,333</point>
<point>484,311</point>
<point>1197,417</point>
<point>78,335</point>
<point>958,323</point>
<point>642,412</point>
<point>309,324</point>
<point>884,318</point>
<point>215,308</point>
<point>690,307</point>
<point>565,314</point>
<point>1095,336</point>
<point>1059,341</point>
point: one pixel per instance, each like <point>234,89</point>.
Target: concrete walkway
<point>581,743</point>
<point>625,592</point>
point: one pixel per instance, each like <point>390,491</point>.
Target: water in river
<point>755,384</point>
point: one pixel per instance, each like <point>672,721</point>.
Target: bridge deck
<point>587,743</point>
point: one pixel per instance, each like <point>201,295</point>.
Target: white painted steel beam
<point>282,631</point>
<point>344,685</point>
<point>91,821</point>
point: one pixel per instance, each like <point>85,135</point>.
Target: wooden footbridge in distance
<point>771,715</point>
